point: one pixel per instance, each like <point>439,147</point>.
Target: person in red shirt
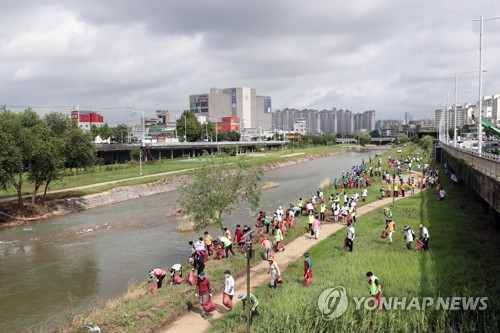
<point>159,274</point>
<point>238,234</point>
<point>203,290</point>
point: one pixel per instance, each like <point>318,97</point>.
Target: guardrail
<point>488,164</point>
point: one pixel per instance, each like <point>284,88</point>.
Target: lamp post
<point>248,243</point>
<point>456,101</point>
<point>480,123</point>
<point>393,185</point>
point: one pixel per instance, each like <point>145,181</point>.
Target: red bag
<point>419,245</point>
<point>279,279</point>
<point>292,225</point>
<point>178,279</point>
<point>383,234</point>
<point>209,305</point>
<point>226,300</point>
<point>349,218</point>
<point>280,245</point>
<point>307,280</point>
<point>154,286</point>
<point>261,231</point>
<point>345,243</point>
<point>191,277</point>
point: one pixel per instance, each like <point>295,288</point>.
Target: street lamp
<point>456,101</point>
<point>480,124</point>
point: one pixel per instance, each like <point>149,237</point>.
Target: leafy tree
<point>105,132</point>
<point>363,138</point>
<point>375,134</point>
<point>402,138</point>
<point>79,148</point>
<point>120,133</point>
<point>11,160</point>
<point>46,164</point>
<point>193,127</point>
<point>427,143</point>
<point>217,186</point>
<point>135,154</point>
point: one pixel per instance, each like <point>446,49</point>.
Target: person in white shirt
<point>336,211</point>
<point>364,194</point>
<point>408,236</point>
<point>350,236</point>
<point>344,211</point>
<point>200,244</point>
<point>279,213</point>
<point>442,194</point>
<point>229,284</point>
<point>424,236</point>
<point>320,195</point>
<point>313,199</point>
<point>310,208</point>
<point>177,268</point>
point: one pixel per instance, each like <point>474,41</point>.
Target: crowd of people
<point>272,229</point>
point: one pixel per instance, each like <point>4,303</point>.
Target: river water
<point>54,269</point>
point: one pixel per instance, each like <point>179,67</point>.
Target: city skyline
<point>115,57</point>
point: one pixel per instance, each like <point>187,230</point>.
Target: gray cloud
<point>387,55</point>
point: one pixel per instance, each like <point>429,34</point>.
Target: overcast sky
<point>392,56</point>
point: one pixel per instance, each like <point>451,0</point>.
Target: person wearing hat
<point>279,213</point>
<point>254,302</point>
<point>307,265</point>
<point>274,271</point>
<point>409,236</point>
<point>424,236</point>
<point>387,214</point>
<point>390,227</point>
<point>203,290</point>
<point>229,284</point>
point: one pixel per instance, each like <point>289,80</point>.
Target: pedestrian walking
<point>409,236</point>
<point>390,227</point>
<point>229,284</point>
<point>424,236</point>
<point>375,290</point>
<point>204,291</point>
<point>316,226</point>
<point>350,236</point>
<point>274,271</point>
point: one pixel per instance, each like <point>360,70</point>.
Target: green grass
<point>102,174</point>
<point>463,261</point>
<point>137,311</point>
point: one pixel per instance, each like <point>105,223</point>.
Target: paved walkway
<point>191,322</point>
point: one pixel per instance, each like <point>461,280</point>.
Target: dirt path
<point>193,322</point>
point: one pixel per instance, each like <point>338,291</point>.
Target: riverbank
<point>136,311</point>
<point>53,208</point>
<point>432,291</point>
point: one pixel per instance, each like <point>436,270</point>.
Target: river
<point>54,269</point>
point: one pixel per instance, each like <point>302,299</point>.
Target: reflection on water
<point>53,269</point>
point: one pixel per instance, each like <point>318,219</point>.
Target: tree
<point>79,149</point>
<point>363,138</point>
<point>217,186</point>
<point>375,134</point>
<point>402,138</point>
<point>11,160</point>
<point>120,133</point>
<point>193,127</point>
<point>427,143</point>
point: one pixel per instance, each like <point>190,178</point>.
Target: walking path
<point>193,322</point>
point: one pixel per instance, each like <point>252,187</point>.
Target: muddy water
<point>53,269</point>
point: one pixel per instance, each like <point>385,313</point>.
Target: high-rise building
<point>243,103</point>
<point>325,122</point>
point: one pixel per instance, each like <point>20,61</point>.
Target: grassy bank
<point>138,311</point>
<point>463,262</point>
<point>154,170</point>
